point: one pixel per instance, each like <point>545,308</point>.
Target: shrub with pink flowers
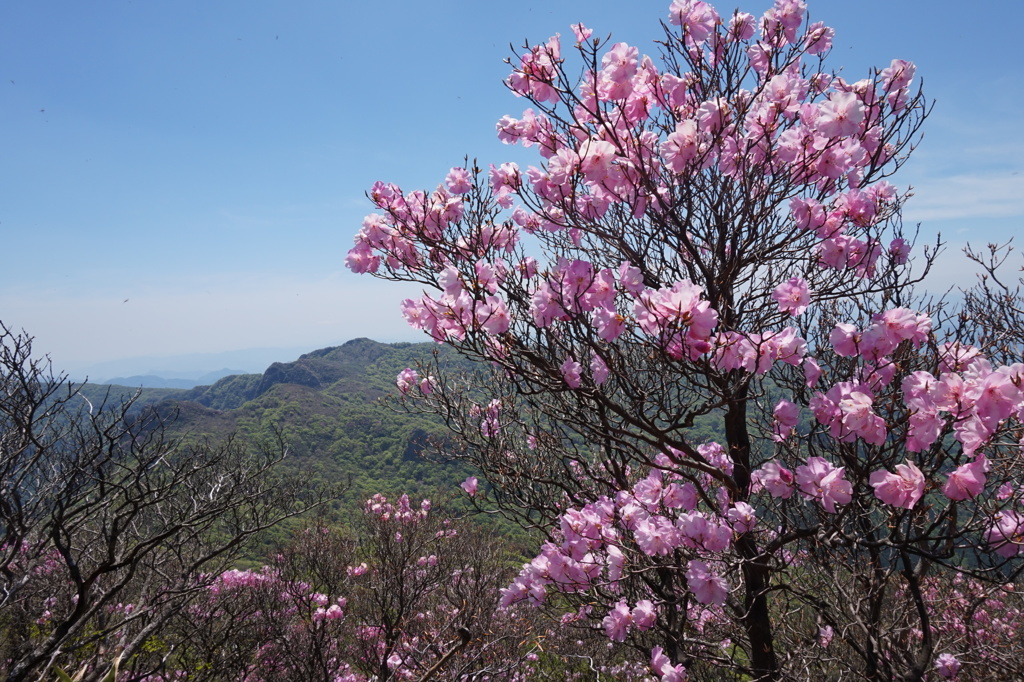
<point>406,593</point>
<point>711,233</point>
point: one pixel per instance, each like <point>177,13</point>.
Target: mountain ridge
<point>326,406</point>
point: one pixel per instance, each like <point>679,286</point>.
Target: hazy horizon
<point>196,365</point>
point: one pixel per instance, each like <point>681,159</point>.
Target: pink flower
<point>631,278</point>
<point>661,664</point>
<point>792,296</point>
<point>406,379</point>
<point>620,62</point>
<point>656,535</point>
<point>1006,535</point>
<point>618,66</point>
<point>596,159</point>
<point>493,316</point>
<point>898,74</point>
<point>617,622</point>
<point>712,535</point>
<point>582,32</point>
<point>901,489</point>
<point>858,417</point>
<point>742,517</point>
<point>787,415</point>
<point>947,665</point>
<point>470,486</point>
<point>847,409</point>
<point>707,587</point>
<point>840,115</point>
<point>681,146</point>
<point>571,372</point>
<point>845,338</point>
<point>648,490</point>
<point>616,562</point>
<point>899,250</point>
<point>644,615</point>
<point>361,260</point>
<point>893,326</point>
<point>825,635</point>
<point>609,323</point>
<point>819,480</point>
<point>812,372</point>
<point>680,496</point>
<point>505,176</point>
<point>777,480</point>
<point>967,481</point>
<point>808,214</point>
<point>458,181</point>
<point>666,311</point>
<point>713,115</point>
<point>818,38</point>
<point>598,369</point>
<point>698,19</point>
<point>741,26</point>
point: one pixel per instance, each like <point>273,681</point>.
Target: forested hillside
<point>327,407</point>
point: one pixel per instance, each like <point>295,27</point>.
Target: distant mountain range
<point>326,404</point>
<point>193,366</point>
<point>153,381</point>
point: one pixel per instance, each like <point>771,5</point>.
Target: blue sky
<point>186,177</point>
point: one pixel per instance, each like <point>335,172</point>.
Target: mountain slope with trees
<point>327,406</point>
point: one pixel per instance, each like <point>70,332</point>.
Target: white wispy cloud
<point>966,196</point>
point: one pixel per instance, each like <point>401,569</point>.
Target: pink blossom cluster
<point>678,316</point>
<point>402,512</point>
<point>886,332</point>
<point>837,223</point>
<point>537,72</point>
<point>622,618</point>
<point>793,296</point>
<point>389,234</point>
<point>823,482</point>
<point>903,488</point>
<point>459,311</point>
<point>660,515</point>
<point>571,288</point>
<point>235,579</point>
<point>662,666</point>
<point>977,399</point>
<point>758,353</point>
<point>1006,534</point>
<point>817,479</point>
<point>409,378</point>
<point>847,409</point>
<point>968,396</point>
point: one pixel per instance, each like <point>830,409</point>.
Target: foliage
<point>109,527</point>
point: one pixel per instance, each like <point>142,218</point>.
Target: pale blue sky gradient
<point>186,177</point>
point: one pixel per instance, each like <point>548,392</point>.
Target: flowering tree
<point>709,236</point>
